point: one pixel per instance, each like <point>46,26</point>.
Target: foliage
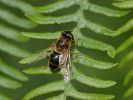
<point>125,45</point>
<point>10,25</point>
<point>82,21</point>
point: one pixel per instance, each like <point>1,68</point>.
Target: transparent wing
<point>65,66</point>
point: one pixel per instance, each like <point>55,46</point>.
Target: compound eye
<point>68,35</point>
<point>65,33</point>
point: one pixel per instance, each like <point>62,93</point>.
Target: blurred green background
<point>34,45</point>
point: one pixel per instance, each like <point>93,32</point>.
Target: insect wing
<point>65,65</point>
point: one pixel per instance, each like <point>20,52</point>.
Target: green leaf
<point>108,32</point>
<point>35,57</point>
<point>90,62</point>
<point>82,22</point>
<point>42,35</point>
<point>11,21</point>
<point>51,87</point>
<point>11,34</point>
<point>56,6</point>
<point>4,97</point>
<point>124,4</point>
<point>128,92</point>
<point>93,82</point>
<point>128,77</point>
<point>89,96</point>
<point>20,4</point>
<point>126,27</point>
<point>9,83</point>
<point>9,70</point>
<point>12,49</point>
<point>106,11</point>
<point>15,20</point>
<point>51,20</point>
<point>126,59</point>
<point>125,45</point>
<point>38,70</point>
<point>95,44</point>
<point>98,28</point>
<point>59,97</point>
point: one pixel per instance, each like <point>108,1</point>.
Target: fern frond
<point>126,27</point>
<point>9,70</point>
<point>82,41</point>
<point>129,92</point>
<point>59,97</point>
<point>56,86</point>
<point>90,62</point>
<point>106,11</point>
<point>9,83</point>
<point>60,85</point>
<point>126,59</point>
<point>38,70</point>
<point>80,19</point>
<point>56,6</point>
<point>11,34</point>
<point>51,20</point>
<point>89,96</point>
<point>124,4</point>
<point>78,76</point>
<point>94,82</point>
<point>95,44</point>
<point>12,49</point>
<point>11,31</point>
<point>81,78</point>
<point>125,45</point>
<point>4,97</point>
<point>21,5</point>
<point>14,20</point>
<point>54,35</point>
<point>98,28</point>
<point>128,77</point>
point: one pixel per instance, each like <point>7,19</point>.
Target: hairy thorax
<point>62,45</point>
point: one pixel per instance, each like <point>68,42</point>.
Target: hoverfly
<point>59,59</point>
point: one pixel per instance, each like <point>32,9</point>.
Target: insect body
<point>54,62</point>
<point>59,59</point>
<point>64,42</point>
